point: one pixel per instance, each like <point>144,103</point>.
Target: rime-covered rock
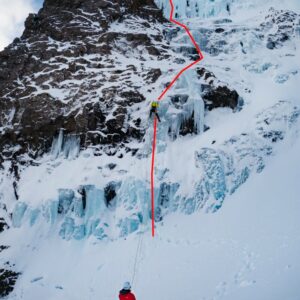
<point>280,26</point>
<point>8,280</point>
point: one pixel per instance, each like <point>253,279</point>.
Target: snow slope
<point>247,250</point>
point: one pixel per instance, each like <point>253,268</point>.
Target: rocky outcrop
<point>221,96</point>
<point>216,93</point>
<point>8,280</point>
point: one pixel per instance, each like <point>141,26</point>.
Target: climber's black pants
<point>153,111</point>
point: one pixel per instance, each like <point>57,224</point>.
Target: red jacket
<point>126,295</point>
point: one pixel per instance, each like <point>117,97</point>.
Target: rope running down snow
<point>136,257</point>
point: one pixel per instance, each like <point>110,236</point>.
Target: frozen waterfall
<point>219,8</point>
<point>66,145</point>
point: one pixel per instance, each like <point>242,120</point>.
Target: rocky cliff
<point>73,68</point>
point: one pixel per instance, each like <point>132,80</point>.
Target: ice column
<point>67,146</point>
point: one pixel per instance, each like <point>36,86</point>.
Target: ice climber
<point>125,293</point>
<point>154,107</point>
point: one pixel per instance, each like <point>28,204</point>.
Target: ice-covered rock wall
<point>196,8</point>
<point>219,8</point>
<point>114,211</point>
<point>122,207</point>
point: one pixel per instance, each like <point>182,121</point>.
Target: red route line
<point>160,98</point>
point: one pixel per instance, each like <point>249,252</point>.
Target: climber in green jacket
<point>154,107</point>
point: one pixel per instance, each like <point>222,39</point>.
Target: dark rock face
<point>222,96</point>
<point>64,73</point>
<point>8,280</point>
<point>81,13</point>
<point>216,93</point>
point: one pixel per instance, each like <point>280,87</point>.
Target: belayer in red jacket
<point>125,293</point>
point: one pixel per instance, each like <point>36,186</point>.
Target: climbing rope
<point>143,225</point>
<point>160,98</point>
<point>136,258</point>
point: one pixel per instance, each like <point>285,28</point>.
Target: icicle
<point>57,145</point>
<point>68,146</point>
<point>71,147</point>
<point>190,105</point>
<point>18,214</point>
<point>199,115</point>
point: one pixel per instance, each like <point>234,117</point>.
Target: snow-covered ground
<point>247,250</point>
